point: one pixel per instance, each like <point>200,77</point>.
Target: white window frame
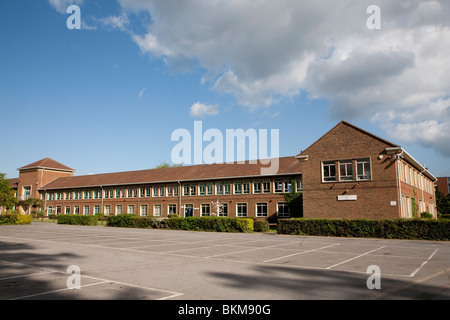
<point>261,205</point>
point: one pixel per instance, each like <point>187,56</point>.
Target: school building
<point>346,173</point>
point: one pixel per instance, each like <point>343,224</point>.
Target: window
<point>227,188</point>
<point>363,169</point>
<point>261,209</point>
<point>299,185</point>
<point>246,187</point>
<point>170,191</point>
<point>49,210</point>
<point>237,188</point>
<point>329,171</point>
<point>287,184</point>
<point>144,210</point>
<point>257,186</point>
<point>26,193</point>
<point>205,209</point>
<point>278,186</point>
<point>86,210</point>
<point>219,188</point>
<point>201,189</point>
<point>157,210</point>
<point>172,209</point>
<point>76,210</point>
<point>223,210</point>
<point>155,191</point>
<point>266,186</point>
<point>161,191</point>
<point>119,209</point>
<point>192,190</point>
<point>96,209</point>
<point>142,192</point>
<point>283,209</point>
<point>346,170</point>
<point>175,191</point>
<point>209,189</point>
<point>185,190</point>
<point>58,210</point>
<point>67,211</point>
<point>107,210</point>
<point>130,209</point>
<point>241,209</point>
<point>148,191</point>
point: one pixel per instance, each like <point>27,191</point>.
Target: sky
<point>107,97</point>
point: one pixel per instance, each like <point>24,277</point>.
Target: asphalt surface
<point>60,262</point>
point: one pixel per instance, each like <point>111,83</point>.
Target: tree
<point>164,164</point>
<point>442,202</point>
<point>31,203</point>
<point>7,197</point>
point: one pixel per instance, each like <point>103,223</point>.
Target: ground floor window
<point>283,210</point>
<point>130,209</point>
<point>49,210</point>
<point>119,209</point>
<point>205,209</point>
<point>157,210</point>
<point>172,209</point>
<point>76,210</point>
<point>241,209</point>
<point>86,210</point>
<point>261,209</point>
<point>67,211</point>
<point>96,209</point>
<point>144,210</point>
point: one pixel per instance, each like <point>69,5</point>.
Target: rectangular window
<point>172,209</point>
<point>148,191</point>
<point>278,186</point>
<point>287,185</point>
<point>223,210</point>
<point>209,189</point>
<point>237,187</point>
<point>241,209</point>
<point>142,192</point>
<point>205,209</point>
<point>49,210</point>
<point>26,193</point>
<point>119,209</point>
<point>363,169</point>
<point>130,209</point>
<point>86,210</point>
<point>246,187</point>
<point>58,210</point>
<point>266,186</point>
<point>261,209</point>
<point>107,210</point>
<point>346,170</point>
<point>193,186</point>
<point>157,210</point>
<point>96,209</point>
<point>227,188</point>
<point>170,191</point>
<point>161,191</point>
<point>201,189</point>
<point>175,191</point>
<point>257,186</point>
<point>219,188</point>
<point>283,210</point>
<point>185,190</point>
<point>76,210</point>
<point>67,211</point>
<point>144,210</point>
<point>329,171</point>
<point>155,191</point>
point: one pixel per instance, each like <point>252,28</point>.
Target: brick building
<point>443,184</point>
<point>347,173</point>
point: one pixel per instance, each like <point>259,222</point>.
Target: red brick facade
<point>347,173</point>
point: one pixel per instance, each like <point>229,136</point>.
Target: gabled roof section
<point>345,123</point>
<point>287,165</point>
<point>47,163</point>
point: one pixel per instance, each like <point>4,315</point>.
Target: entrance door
<point>188,210</point>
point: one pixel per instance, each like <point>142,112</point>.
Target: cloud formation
<point>200,110</point>
<point>262,52</point>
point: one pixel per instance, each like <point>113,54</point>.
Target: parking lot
<point>118,263</point>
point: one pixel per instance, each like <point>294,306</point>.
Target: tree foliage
<point>7,197</point>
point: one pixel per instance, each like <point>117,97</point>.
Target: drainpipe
<point>399,183</point>
<point>179,199</point>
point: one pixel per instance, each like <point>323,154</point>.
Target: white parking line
<point>424,263</point>
<point>298,253</point>
<point>359,256</point>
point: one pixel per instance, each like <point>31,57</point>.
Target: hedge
<point>416,229</point>
<point>15,219</point>
<point>219,224</point>
<point>77,219</point>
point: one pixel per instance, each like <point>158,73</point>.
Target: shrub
<point>415,229</point>
<point>220,224</point>
<point>15,219</point>
<point>77,220</point>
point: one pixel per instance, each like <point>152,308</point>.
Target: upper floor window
<point>329,170</point>
<point>346,170</point>
<point>363,169</point>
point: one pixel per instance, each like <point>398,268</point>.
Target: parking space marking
<point>424,263</point>
<point>358,256</point>
<point>295,254</point>
<point>26,275</point>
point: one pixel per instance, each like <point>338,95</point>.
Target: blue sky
<point>107,97</point>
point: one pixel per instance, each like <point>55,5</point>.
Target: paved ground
<point>118,263</point>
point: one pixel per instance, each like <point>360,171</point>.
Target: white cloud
<point>141,93</point>
<point>120,22</point>
<point>200,110</point>
<point>61,5</point>
<point>264,51</point>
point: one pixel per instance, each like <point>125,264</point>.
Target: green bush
<point>415,229</point>
<point>219,224</point>
<point>77,219</point>
<point>15,219</point>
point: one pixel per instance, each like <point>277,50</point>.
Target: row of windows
<point>346,170</point>
<point>413,177</point>
<point>193,189</point>
<point>206,209</point>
